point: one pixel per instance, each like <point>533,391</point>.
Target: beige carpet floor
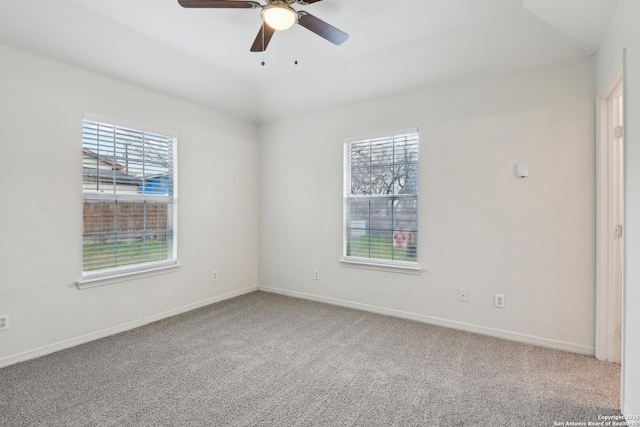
<point>269,360</point>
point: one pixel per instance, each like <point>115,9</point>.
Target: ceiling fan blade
<point>258,45</point>
<point>321,28</point>
<point>219,4</point>
<point>306,2</point>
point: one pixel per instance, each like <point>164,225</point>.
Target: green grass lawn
<point>101,255</point>
<point>378,247</point>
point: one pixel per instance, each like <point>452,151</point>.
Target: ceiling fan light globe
<point>279,17</point>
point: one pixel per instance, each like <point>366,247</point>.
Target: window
<point>130,204</point>
<point>381,199</point>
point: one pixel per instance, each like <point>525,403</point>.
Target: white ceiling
<point>202,55</point>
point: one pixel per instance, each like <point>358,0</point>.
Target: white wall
<point>624,32</point>
<point>41,108</point>
<point>481,228</point>
<point>50,29</point>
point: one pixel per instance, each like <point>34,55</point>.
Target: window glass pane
<point>405,229</point>
<point>134,223</point>
<point>360,155</point>
<point>382,244</point>
<point>405,214</point>
<point>358,214</point>
<point>358,243</point>
<point>360,181</point>
<point>380,215</point>
<point>406,179</point>
<point>382,179</point>
<point>381,198</point>
<point>121,161</point>
<point>382,229</point>
<point>382,152</point>
<point>118,233</point>
<point>406,165</point>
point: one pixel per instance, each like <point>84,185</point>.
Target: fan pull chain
<point>263,49</point>
<point>296,47</point>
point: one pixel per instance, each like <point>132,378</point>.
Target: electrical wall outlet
<point>4,322</point>
<point>463,295</point>
<point>214,276</point>
<point>499,301</point>
<point>316,275</point>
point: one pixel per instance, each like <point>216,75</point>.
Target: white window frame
<point>373,263</point>
<point>128,272</point>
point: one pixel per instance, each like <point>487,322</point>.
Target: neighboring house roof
<point>109,175</point>
<point>165,175</point>
<point>93,154</point>
<point>116,172</point>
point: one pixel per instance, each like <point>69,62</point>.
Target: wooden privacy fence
<point>125,221</point>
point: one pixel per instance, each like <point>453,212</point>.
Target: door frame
<point>607,308</point>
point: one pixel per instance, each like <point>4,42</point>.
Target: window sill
<point>130,275</point>
<point>391,268</point>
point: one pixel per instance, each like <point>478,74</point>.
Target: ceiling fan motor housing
<point>279,15</point>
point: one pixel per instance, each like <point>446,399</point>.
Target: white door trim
<point>607,315</point>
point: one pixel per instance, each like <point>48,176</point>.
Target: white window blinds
<point>381,198</point>
<point>129,189</point>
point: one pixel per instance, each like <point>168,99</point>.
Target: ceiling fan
<point>276,15</point>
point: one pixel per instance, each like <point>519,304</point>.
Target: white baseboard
<point>72,342</point>
<point>499,333</point>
